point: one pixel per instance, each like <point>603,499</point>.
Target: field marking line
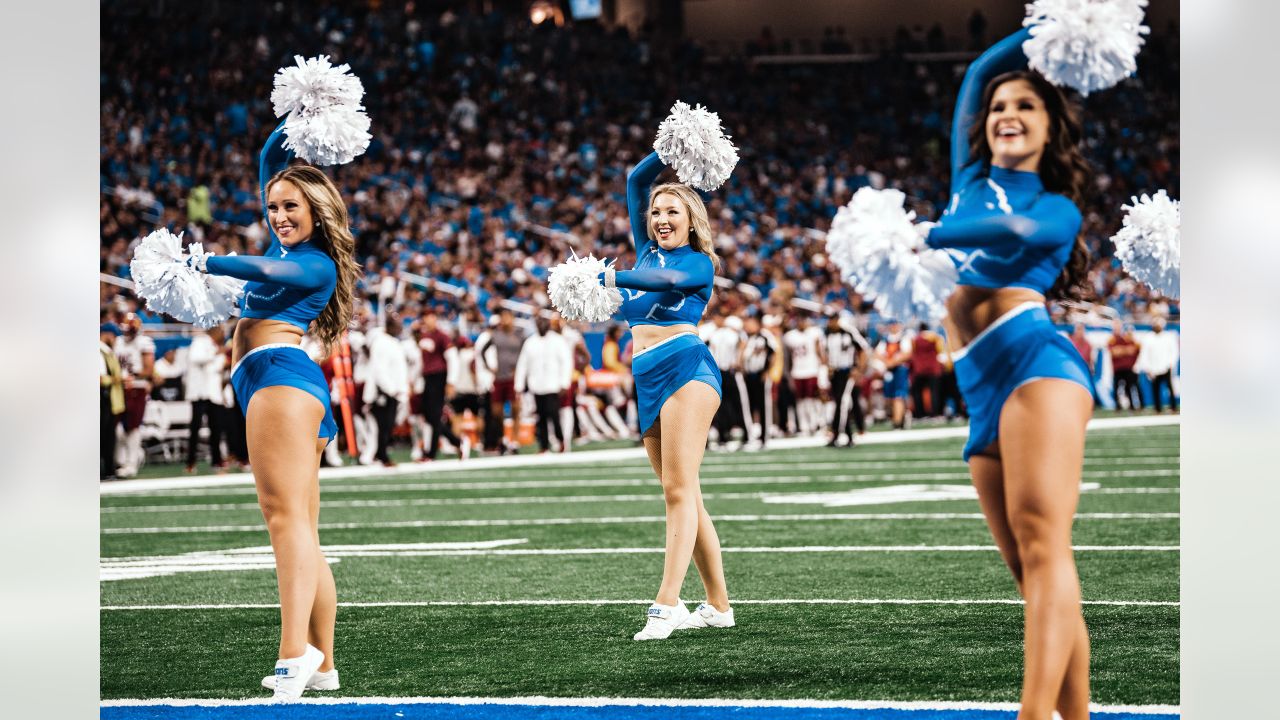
<point>879,495</point>
<point>786,549</point>
<point>648,481</point>
<point>597,702</point>
<point>556,603</point>
<point>889,437</point>
<point>518,522</point>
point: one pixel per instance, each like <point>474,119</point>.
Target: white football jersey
<point>803,346</point>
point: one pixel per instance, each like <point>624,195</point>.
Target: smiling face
<point>289,213</point>
<point>1017,126</point>
<point>669,221</point>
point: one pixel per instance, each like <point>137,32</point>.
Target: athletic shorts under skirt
<point>282,364</point>
<point>1019,347</point>
<point>662,369</point>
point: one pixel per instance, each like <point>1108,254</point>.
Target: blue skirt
<point>1019,347</point>
<point>662,369</point>
<point>282,364</point>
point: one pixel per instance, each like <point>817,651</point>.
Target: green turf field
<point>916,602</point>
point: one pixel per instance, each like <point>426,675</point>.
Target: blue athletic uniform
<point>290,284</point>
<point>1003,229</point>
<point>667,287</point>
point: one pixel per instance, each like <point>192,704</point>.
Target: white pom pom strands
<point>326,123</point>
<point>1084,44</point>
<point>691,141</point>
<point>575,290</point>
<point>1148,243</point>
<point>169,280</point>
<point>874,243</point>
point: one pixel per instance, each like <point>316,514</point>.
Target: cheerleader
<point>1013,227</point>
<point>677,383</point>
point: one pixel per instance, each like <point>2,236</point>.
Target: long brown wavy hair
<point>1063,168</point>
<point>699,224</point>
<point>331,232</point>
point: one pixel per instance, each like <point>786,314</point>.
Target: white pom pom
<point>332,137</point>
<point>327,124</point>
<point>691,141</point>
<point>162,276</point>
<point>575,290</point>
<point>876,246</point>
<point>1084,44</point>
<point>1147,245</point>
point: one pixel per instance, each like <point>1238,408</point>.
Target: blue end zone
<point>443,711</point>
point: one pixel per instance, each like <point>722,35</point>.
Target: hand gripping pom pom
<point>164,276</point>
<point>575,290</point>
<point>691,141</point>
<point>874,243</point>
<point>1084,44</point>
<point>326,123</point>
<point>1148,243</point>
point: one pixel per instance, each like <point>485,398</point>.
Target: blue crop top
<point>290,284</point>
<point>1002,228</point>
<point>667,287</point>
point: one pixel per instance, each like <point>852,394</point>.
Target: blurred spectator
<point>544,367</point>
<point>1124,356</point>
<point>166,384</point>
<point>386,388</point>
<point>926,372</point>
<point>950,403</point>
<point>470,382</point>
<point>803,344</point>
<point>110,400</point>
<point>759,349</point>
<point>894,353</point>
<point>1080,339</point>
<point>204,389</point>
<point>1157,359</point>
<point>137,355</point>
<point>846,361</point>
<point>506,341</point>
<point>725,343</point>
<point>434,344</point>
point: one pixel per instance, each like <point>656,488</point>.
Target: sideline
<point>888,437</point>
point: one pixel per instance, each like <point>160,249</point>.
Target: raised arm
<point>309,272</point>
<point>272,160</point>
<point>1005,56</point>
<point>639,180</point>
<point>1055,223</point>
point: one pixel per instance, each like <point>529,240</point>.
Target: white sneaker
<point>293,674</point>
<point>706,616</point>
<point>319,681</point>
<point>663,620</point>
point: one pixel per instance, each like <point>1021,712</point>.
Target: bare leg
<point>282,424</point>
<point>988,478</point>
<point>324,610</point>
<point>1042,428</point>
<point>686,419</point>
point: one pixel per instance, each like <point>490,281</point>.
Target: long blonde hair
<point>332,232</point>
<point>699,224</point>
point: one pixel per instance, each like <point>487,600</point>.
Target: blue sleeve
<point>310,271</point>
<point>693,275</point>
<point>639,180</point>
<point>1005,56</point>
<point>1054,221</point>
<point>272,160</point>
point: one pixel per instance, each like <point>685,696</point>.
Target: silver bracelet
<point>610,278</point>
<point>201,262</point>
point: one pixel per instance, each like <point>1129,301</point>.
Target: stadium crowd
<point>499,146</point>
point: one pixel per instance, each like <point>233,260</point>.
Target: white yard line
<point>518,522</point>
<point>789,549</point>
<point>592,456</point>
<point>910,705</point>
<point>545,603</point>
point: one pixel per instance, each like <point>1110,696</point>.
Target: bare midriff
<point>646,336</point>
<point>255,332</point>
<point>970,310</point>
